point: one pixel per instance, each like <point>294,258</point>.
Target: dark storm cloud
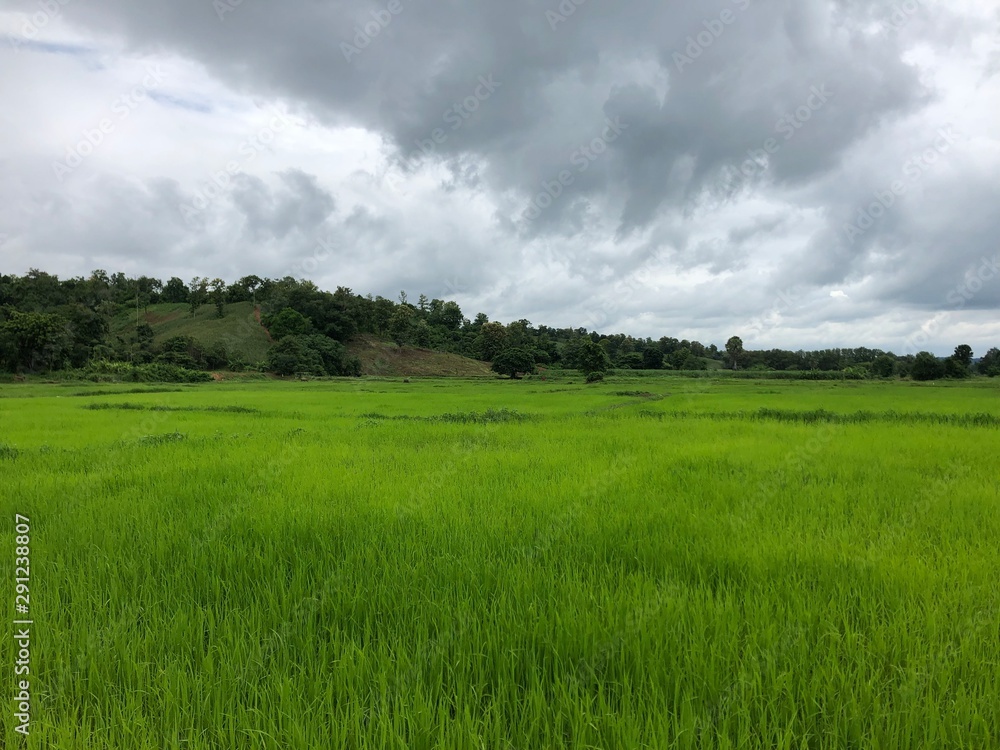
<point>421,73</point>
<point>739,139</point>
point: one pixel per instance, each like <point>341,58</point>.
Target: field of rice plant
<point>654,562</point>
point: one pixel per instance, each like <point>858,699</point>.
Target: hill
<point>245,338</point>
<point>385,358</point>
<point>239,330</point>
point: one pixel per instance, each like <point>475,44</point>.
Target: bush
<point>311,355</point>
<point>883,366</point>
<point>288,322</point>
<point>953,368</point>
<point>292,356</point>
<point>595,377</point>
<point>513,360</point>
<point>158,372</point>
<point>989,365</point>
<point>927,367</point>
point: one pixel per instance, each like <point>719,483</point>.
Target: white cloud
<point>656,237</point>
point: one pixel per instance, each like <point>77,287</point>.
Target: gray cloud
<point>750,135</point>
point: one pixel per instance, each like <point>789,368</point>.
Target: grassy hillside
<point>244,337</point>
<point>239,331</point>
<point>385,358</point>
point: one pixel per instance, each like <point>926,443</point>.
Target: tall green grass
<point>380,564</point>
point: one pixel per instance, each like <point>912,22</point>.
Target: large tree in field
<point>514,360</point>
<point>990,363</point>
<point>33,341</point>
<point>927,367</point>
<point>591,357</point>
<point>963,355</point>
<point>492,340</point>
<point>883,366</point>
<point>734,348</point>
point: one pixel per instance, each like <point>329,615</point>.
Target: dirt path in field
<point>256,316</point>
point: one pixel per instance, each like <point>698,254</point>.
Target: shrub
<point>927,367</point>
<point>158,372</point>
<point>513,360</point>
<point>312,355</point>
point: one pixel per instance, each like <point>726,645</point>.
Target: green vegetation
<point>385,359</point>
<point>48,324</point>
<point>238,333</point>
<point>648,561</point>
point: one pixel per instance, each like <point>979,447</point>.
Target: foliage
<point>156,372</point>
<point>514,360</point>
<point>219,297</point>
<point>883,366</point>
<point>990,363</point>
<point>90,311</point>
<point>586,576</point>
<point>287,322</point>
<point>652,358</point>
<point>734,348</point>
<point>492,340</point>
<point>955,368</point>
<point>175,290</point>
<point>587,356</point>
<point>33,341</point>
<point>311,355</point>
<point>927,367</point>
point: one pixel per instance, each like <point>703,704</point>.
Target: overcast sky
<point>797,172</point>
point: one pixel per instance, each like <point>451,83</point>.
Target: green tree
<point>249,286</point>
<point>989,365</point>
<point>679,358</point>
<point>144,338</point>
<point>219,297</point>
<point>927,367</point>
<point>953,368</point>
<point>311,355</point>
<point>693,363</point>
<point>630,361</point>
<point>401,323</point>
<point>652,359</point>
<point>34,341</point>
<point>963,354</point>
<point>492,340</point>
<point>182,351</point>
<point>451,316</point>
<point>382,312</point>
<point>421,333</point>
<point>175,291</point>
<point>288,322</point>
<point>514,360</point>
<point>197,294</point>
<point>333,355</point>
<point>591,357</point>
<point>734,348</point>
<point>293,356</point>
<point>883,366</point>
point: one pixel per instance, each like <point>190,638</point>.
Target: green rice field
<point>656,562</point>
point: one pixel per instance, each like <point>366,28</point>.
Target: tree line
<point>48,323</point>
